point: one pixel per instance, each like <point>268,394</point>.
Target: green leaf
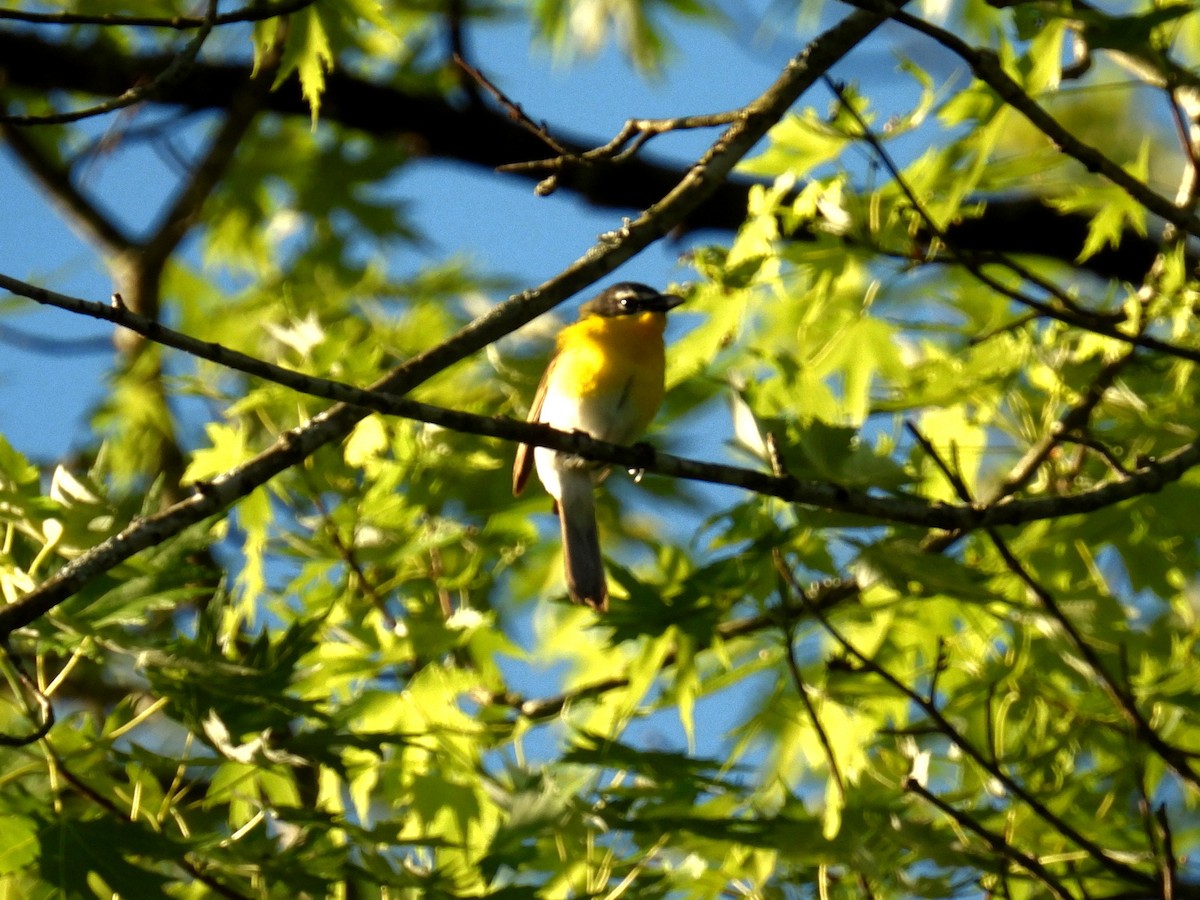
<point>15,469</point>
<point>1128,33</point>
<point>18,843</point>
<point>75,850</point>
<point>904,566</point>
<point>307,52</point>
<point>797,145</point>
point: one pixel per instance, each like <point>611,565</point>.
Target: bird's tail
<point>581,542</point>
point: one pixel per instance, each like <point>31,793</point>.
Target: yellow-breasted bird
<point>606,380</point>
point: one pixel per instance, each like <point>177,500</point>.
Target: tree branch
<point>172,72</point>
<point>996,843</point>
<point>1013,786</point>
<point>253,13</point>
<point>1148,478</point>
<point>986,66</point>
<point>431,126</point>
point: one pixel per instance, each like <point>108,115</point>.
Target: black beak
<point>664,302</point>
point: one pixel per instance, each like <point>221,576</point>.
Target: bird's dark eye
<point>625,300</point>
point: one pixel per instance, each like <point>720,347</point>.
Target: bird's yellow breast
<point>614,365</point>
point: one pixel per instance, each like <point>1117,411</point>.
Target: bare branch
<point>995,842</point>
<point>1097,853</point>
<point>253,13</point>
<point>986,66</point>
<point>514,110</point>
<point>138,93</point>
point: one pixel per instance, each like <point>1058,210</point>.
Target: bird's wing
<point>523,464</point>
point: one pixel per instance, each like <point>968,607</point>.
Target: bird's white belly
<point>604,415</point>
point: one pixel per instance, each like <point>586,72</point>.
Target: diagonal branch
<point>1097,853</point>
<point>986,66</point>
<point>1118,695</point>
<point>996,842</point>
<point>1176,758</point>
<point>1067,311</point>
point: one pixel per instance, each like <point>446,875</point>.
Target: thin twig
<point>350,558</point>
<point>1170,875</point>
<point>633,135</point>
<point>1069,311</point>
<point>1073,420</point>
<point>787,626</point>
<point>825,596</point>
<point>995,842</point>
<point>48,346</point>
<point>136,94</point>
<point>514,110</point>
<point>1013,786</point>
<point>184,860</point>
<point>37,705</point>
<point>1149,829</point>
<point>1101,449</point>
<point>254,13</point>
<point>987,67</point>
<point>204,177</point>
<point>1186,196</point>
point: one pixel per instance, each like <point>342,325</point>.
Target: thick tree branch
<point>430,125</point>
<point>172,72</point>
<point>257,12</point>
